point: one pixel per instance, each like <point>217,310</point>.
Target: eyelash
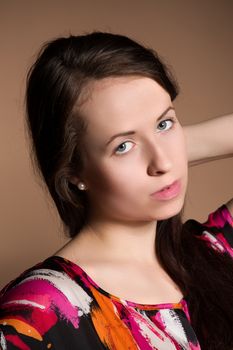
<point>162,121</point>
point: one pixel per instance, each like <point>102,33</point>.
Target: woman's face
<point>122,171</point>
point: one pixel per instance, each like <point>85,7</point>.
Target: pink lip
<point>168,192</point>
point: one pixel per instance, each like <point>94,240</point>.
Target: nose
<point>159,160</point>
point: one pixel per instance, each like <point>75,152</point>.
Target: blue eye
<point>122,148</point>
<point>165,122</point>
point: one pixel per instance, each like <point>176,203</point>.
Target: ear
<point>74,180</point>
<point>77,181</point>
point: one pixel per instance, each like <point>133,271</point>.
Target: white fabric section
<point>174,327</point>
<point>74,293</point>
<point>2,341</point>
<point>147,329</point>
<point>214,241</point>
<point>25,302</point>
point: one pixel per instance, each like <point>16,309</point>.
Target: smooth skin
<point>120,174</point>
<point>210,140</point>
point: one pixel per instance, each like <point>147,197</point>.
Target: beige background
<point>195,37</point>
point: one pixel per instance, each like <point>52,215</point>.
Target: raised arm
<point>209,140</point>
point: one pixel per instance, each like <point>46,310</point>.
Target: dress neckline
<point>181,304</point>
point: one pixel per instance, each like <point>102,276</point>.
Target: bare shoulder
<point>229,205</point>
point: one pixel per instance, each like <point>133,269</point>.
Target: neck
<point>120,242</point>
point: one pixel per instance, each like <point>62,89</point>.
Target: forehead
<point>117,103</point>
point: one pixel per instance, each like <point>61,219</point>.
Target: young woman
<point>114,157</point>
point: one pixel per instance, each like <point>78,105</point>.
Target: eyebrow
<point>132,132</point>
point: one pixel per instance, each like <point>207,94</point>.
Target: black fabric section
<point>191,336</point>
<point>227,232</point>
<point>64,336</point>
<point>194,227</point>
<point>197,228</point>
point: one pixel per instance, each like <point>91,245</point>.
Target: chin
<point>168,211</point>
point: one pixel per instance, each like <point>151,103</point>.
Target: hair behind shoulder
<point>57,86</point>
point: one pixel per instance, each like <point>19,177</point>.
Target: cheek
<point>182,160</point>
<point>116,178</point>
<point>179,148</point>
<point>181,152</point>
<point>101,178</point>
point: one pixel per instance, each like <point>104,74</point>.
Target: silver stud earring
<point>81,186</point>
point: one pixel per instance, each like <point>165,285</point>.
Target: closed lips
<point>168,186</point>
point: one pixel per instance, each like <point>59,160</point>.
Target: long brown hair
<point>56,87</point>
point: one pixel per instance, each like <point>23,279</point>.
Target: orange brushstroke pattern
<point>111,330</point>
<point>21,327</point>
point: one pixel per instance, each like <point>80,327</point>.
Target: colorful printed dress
<point>56,305</point>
